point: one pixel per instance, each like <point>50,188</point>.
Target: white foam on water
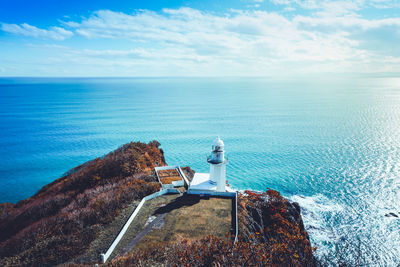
<point>314,210</point>
<point>330,224</point>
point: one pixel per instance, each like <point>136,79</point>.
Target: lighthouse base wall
<point>218,176</point>
<point>202,185</point>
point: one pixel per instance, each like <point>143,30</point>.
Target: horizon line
<point>386,74</point>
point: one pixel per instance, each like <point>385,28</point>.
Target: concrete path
<point>144,232</point>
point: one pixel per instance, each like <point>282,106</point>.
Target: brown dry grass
<point>191,217</point>
<point>62,220</point>
<point>140,220</point>
<point>168,176</point>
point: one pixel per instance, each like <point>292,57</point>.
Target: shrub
<point>63,218</point>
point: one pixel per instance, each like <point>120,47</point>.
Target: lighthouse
<point>218,161</point>
<point>213,183</point>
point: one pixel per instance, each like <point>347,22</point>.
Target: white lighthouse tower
<point>218,163</point>
<point>213,183</point>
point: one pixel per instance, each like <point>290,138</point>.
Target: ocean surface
<point>331,144</point>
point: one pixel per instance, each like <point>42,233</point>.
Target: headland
<point>130,201</point>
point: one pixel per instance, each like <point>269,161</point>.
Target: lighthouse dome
<point>218,144</point>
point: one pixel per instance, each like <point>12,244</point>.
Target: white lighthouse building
<point>218,163</point>
<point>215,181</point>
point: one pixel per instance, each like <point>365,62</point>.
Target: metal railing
<point>209,160</point>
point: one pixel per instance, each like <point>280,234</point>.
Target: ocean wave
<point>315,210</point>
<point>336,228</point>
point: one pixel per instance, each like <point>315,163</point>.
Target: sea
<point>330,143</point>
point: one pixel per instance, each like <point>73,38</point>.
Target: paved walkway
<point>155,222</point>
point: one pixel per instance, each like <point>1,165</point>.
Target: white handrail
<point>106,255</point>
<point>236,213</point>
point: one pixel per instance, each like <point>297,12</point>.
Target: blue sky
<point>199,38</point>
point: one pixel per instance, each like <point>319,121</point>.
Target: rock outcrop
<point>275,223</point>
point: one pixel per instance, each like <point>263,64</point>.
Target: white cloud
<point>349,22</point>
<point>243,36</point>
<point>323,4</point>
<point>185,41</point>
<point>55,33</point>
<point>307,4</point>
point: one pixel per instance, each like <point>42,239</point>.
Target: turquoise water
<point>331,144</point>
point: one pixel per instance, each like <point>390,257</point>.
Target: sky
<point>266,38</point>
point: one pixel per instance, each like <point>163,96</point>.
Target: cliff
<point>65,221</point>
<point>273,225</point>
<point>65,216</point>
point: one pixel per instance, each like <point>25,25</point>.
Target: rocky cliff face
<point>275,224</point>
<point>65,218</point>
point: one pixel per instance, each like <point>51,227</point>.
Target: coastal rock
<point>276,223</point>
<point>391,214</point>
